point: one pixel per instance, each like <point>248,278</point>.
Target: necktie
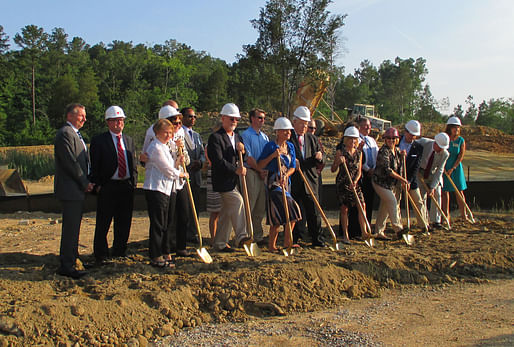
<point>300,142</point>
<point>429,165</point>
<point>190,132</point>
<point>369,159</point>
<point>80,135</point>
<point>122,165</point>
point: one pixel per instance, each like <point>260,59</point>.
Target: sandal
<point>160,263</point>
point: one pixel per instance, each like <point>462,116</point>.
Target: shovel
<point>461,198</point>
<point>408,238</point>
<point>435,202</point>
<point>418,212</point>
<point>335,246</point>
<point>201,251</point>
<point>370,242</point>
<point>250,247</point>
<point>290,250</point>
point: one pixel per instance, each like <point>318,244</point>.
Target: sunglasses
<point>261,118</point>
<point>176,122</point>
<point>312,128</point>
<point>191,116</point>
<point>389,138</point>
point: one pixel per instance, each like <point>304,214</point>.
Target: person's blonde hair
<point>161,124</point>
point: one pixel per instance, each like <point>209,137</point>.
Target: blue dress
<point>458,174</point>
<point>275,212</point>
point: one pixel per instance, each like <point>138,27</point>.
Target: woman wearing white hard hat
<point>454,167</point>
<point>386,179</point>
<point>348,152</point>
<point>275,212</point>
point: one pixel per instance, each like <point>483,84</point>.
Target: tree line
<point>44,71</point>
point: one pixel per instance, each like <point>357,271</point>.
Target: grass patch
<point>30,166</point>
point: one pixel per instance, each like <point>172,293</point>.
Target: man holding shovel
<point>222,149</point>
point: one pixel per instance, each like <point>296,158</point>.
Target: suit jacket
<point>224,160</point>
<point>104,158</point>
<point>196,152</point>
<point>436,171</point>
<point>308,163</point>
<point>71,165</point>
<point>413,162</point>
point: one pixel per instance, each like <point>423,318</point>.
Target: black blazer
<point>224,160</point>
<point>413,162</point>
<point>308,163</point>
<point>104,158</point>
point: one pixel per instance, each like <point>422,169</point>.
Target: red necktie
<point>122,165</point>
<point>429,166</point>
<point>300,142</point>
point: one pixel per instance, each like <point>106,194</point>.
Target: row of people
<point>109,171</point>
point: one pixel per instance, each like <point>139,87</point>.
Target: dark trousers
<point>311,219</point>
<point>191,227</point>
<point>157,204</point>
<point>178,219</point>
<point>115,200</point>
<point>71,219</point>
<point>369,195</point>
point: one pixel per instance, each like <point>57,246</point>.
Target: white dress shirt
<point>161,172</point>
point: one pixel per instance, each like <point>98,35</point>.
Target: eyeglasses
<point>117,120</point>
<point>176,122</point>
<point>191,116</point>
<point>312,128</point>
<point>261,118</point>
<point>233,119</point>
<point>389,138</point>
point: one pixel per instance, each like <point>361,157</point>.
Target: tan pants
<point>257,197</point>
<point>388,208</point>
<point>435,215</point>
<point>418,201</point>
<point>232,215</point>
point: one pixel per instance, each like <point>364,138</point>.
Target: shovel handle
<point>286,206</point>
<point>418,212</point>
<point>407,212</point>
<point>461,198</point>
<point>249,224</point>
<point>435,201</point>
<point>192,202</point>
<point>316,202</point>
<point>359,205</point>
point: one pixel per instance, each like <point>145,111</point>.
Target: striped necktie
<point>122,164</point>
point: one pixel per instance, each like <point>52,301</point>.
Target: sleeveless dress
<point>345,195</point>
<point>458,174</point>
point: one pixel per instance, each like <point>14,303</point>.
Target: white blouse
<point>161,174</point>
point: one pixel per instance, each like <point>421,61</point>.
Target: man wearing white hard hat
<point>369,147</point>
<point>414,152</point>
<point>431,169</point>
<point>222,149</point>
<point>114,173</point>
<point>309,156</point>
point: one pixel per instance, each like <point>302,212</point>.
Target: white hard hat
<point>114,112</point>
<point>351,132</point>
<point>413,127</point>
<point>454,121</point>
<point>303,113</point>
<point>230,110</point>
<point>442,140</point>
<point>282,123</point>
<point>168,111</point>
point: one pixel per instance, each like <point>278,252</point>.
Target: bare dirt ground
<point>462,293</point>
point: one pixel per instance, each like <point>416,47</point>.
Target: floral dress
<point>345,195</point>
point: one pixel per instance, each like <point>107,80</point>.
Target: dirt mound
<point>129,299</point>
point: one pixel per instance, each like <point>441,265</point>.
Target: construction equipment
<point>11,183</point>
<point>368,111</point>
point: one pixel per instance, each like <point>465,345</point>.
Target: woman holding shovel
<point>350,155</point>
<point>454,168</point>
<point>387,175</point>
<point>276,181</point>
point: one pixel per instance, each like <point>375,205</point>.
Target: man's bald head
<point>171,103</point>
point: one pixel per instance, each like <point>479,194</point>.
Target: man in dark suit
<point>114,173</point>
<point>70,185</point>
<point>309,155</point>
<point>222,149</point>
<point>414,152</point>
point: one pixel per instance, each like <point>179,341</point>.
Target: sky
<point>468,45</point>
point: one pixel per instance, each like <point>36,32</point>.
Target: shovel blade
<point>247,250</point>
<point>288,251</point>
<point>338,246</point>
<point>255,250</point>
<point>370,242</point>
<point>204,255</point>
<point>409,239</point>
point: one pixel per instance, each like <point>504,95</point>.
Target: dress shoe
<point>75,274</point>
<point>183,253</point>
<point>437,226</point>
<point>226,250</point>
<point>319,244</point>
<point>243,241</point>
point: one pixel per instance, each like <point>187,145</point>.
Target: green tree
<point>471,112</point>
<point>33,41</point>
